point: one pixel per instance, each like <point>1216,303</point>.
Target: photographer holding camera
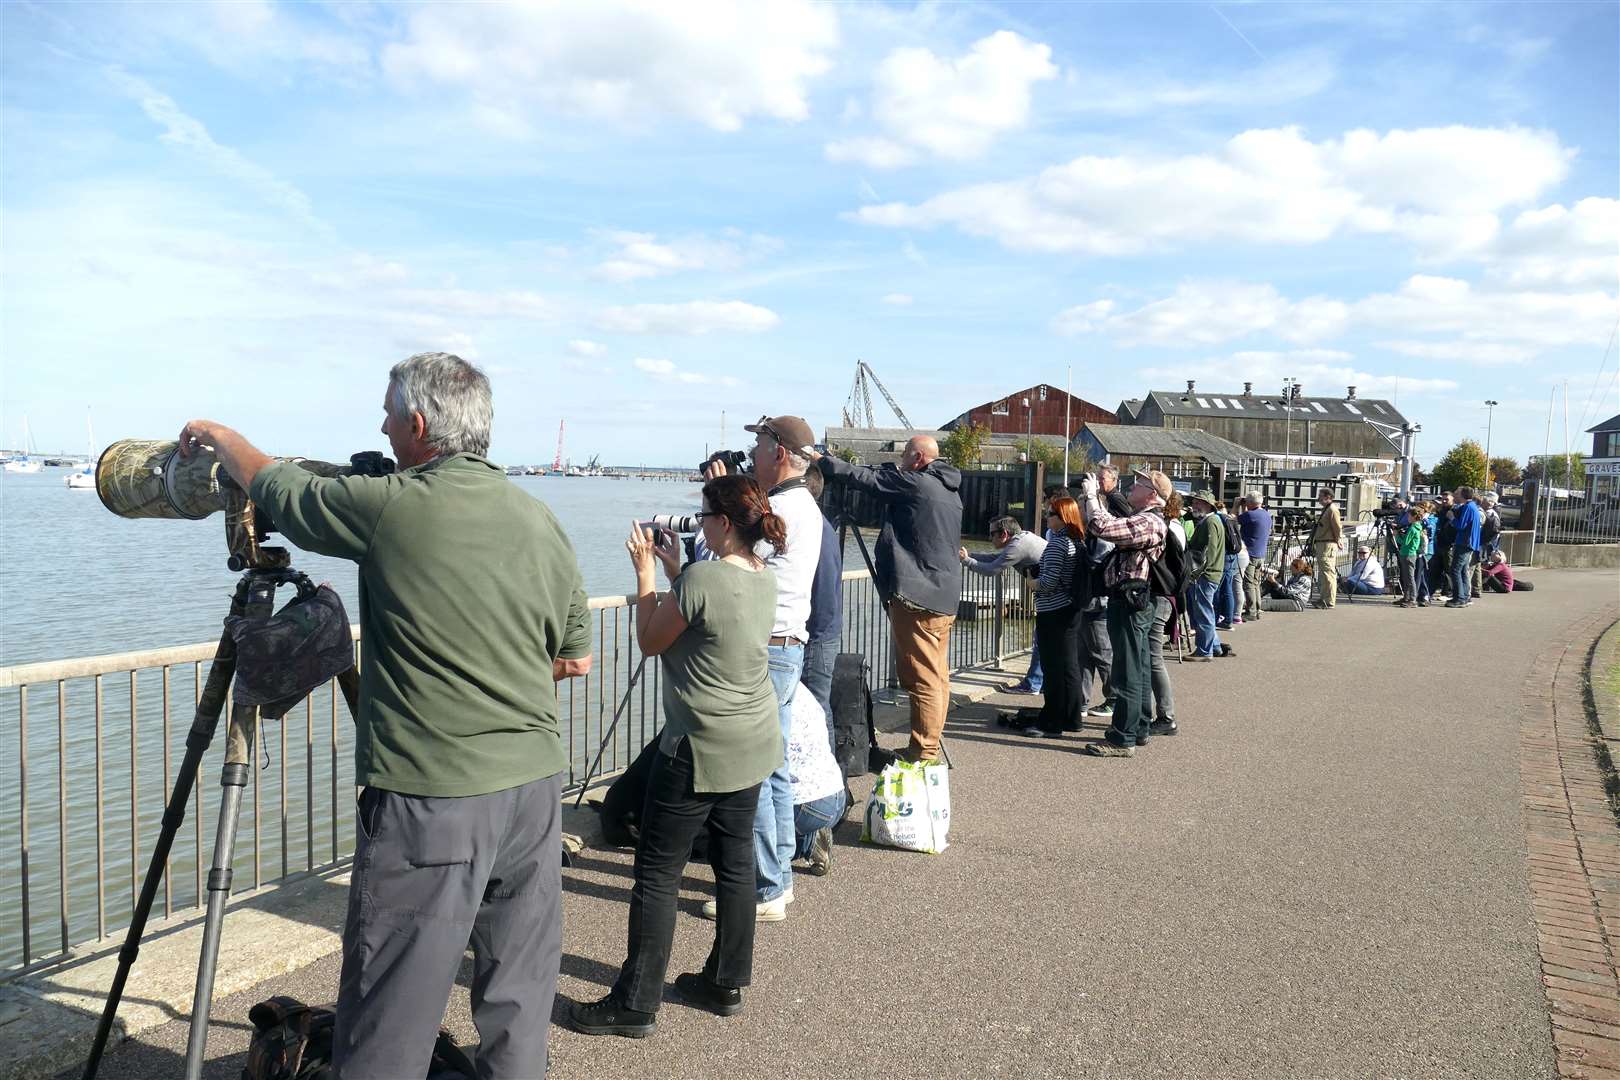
<point>918,574</point>
<point>471,605</point>
<point>779,459</point>
<point>1022,551</point>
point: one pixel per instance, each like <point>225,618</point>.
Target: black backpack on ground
<point>622,803</point>
<point>293,1041</point>
<point>855,744</point>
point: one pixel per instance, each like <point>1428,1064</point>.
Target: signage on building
<point>1606,467</point>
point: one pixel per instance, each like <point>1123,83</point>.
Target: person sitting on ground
<point>722,738</point>
<point>1498,575</point>
<point>819,795</point>
<point>1366,577</point>
<point>1057,623</point>
<point>1290,597</point>
<point>1020,550</point>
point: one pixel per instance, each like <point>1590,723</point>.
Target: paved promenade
<point>1324,875</point>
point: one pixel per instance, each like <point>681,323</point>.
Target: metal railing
<point>1575,516</point>
<point>88,747</point>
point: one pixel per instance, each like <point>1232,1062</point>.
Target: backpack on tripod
<point>855,742</point>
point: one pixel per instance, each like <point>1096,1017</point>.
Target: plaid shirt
<point>1137,541</point>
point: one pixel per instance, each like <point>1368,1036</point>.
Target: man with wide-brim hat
<point>1208,545</point>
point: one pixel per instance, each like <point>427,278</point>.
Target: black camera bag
<point>293,1041</point>
<point>855,742</point>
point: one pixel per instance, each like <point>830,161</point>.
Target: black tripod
<point>254,598</point>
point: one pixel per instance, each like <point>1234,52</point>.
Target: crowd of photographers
<point>472,608</point>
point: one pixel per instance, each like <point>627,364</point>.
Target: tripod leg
<point>204,722</point>
<point>233,778</point>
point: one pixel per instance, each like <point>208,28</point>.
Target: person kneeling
<point>721,738</point>
<point>1275,596</point>
<point>819,795</point>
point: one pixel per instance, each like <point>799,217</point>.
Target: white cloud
<point>1208,313</point>
<point>692,317</point>
<point>1426,304</point>
<point>1472,352</point>
<point>587,349</point>
<point>898,299</point>
<point>666,371</point>
<point>642,255</point>
<point>1559,247</point>
<point>950,108</point>
<point>718,62</point>
<point>188,133</point>
<point>1270,186</point>
<point>510,304</point>
<point>1322,372</point>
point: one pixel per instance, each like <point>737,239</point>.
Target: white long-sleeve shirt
<point>1368,571</point>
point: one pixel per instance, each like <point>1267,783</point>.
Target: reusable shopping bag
<point>910,807</point>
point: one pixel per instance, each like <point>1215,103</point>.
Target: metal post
<point>1068,420</point>
<point>1408,452</point>
<point>1490,410</point>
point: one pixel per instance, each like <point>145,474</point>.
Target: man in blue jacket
<point>1466,519</point>
<point>918,574</point>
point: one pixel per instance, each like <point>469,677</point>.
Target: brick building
<point>1044,415</point>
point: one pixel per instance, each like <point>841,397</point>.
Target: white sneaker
<point>764,911</point>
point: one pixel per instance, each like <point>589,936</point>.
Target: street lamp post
<point>1490,409</point>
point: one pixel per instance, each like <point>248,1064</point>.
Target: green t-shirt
<point>468,590</point>
<point>717,680</point>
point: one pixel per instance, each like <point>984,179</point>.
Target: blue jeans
<point>1202,614</point>
<point>1226,609</point>
<point>773,820</point>
<point>817,676</point>
<point>1357,587</point>
<point>1036,677</point>
<point>810,817</point>
<point>1422,574</point>
<point>1462,562</point>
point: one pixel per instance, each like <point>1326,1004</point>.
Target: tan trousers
<point>920,642</point>
<point>1327,573</point>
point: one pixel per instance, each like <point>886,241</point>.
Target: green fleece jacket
<point>469,590</point>
<point>1209,545</point>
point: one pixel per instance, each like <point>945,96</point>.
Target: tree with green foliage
<point>1463,465</point>
<point>1048,454</point>
<point>1505,470</point>
<point>964,446</point>
<point>1560,470</point>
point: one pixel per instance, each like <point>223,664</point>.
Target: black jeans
<point>670,820</point>
<point>1057,636</point>
<point>1133,672</point>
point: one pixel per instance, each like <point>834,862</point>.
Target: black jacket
<point>922,530</point>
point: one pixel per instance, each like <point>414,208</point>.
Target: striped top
<point>1057,572</point>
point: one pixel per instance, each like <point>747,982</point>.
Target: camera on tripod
<point>147,478</point>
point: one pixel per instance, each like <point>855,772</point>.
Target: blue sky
<point>637,216</point>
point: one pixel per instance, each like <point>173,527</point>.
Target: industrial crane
<point>859,406</point>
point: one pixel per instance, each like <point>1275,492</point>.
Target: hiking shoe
<point>821,846</point>
<point>696,990</point>
<point>1226,650</point>
<point>1455,603</point>
<point>1105,709</point>
<point>1020,688</point>
<point>1163,727</point>
<point>608,1017</point>
<point>1105,748</point>
<point>764,910</point>
<point>1197,658</point>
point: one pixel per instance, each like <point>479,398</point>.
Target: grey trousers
<point>1164,702</point>
<point>429,876</point>
<point>1096,657</point>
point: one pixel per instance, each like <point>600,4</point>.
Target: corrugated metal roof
<point>1270,407</point>
<point>1166,442</point>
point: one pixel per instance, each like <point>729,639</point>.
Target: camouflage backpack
<point>293,1041</point>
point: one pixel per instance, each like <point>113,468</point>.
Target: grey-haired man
<point>471,605</point>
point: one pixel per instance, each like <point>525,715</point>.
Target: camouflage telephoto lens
<point>145,478</point>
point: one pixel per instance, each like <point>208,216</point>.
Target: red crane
<point>557,464</point>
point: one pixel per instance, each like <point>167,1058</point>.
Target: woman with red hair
<point>1057,622</point>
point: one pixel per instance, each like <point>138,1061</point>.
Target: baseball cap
<point>790,431</point>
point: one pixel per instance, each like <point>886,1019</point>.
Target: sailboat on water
<point>85,479</point>
<point>23,463</point>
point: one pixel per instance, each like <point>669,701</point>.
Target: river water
<point>75,581</point>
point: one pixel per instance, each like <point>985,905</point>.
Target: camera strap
<point>787,485</point>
